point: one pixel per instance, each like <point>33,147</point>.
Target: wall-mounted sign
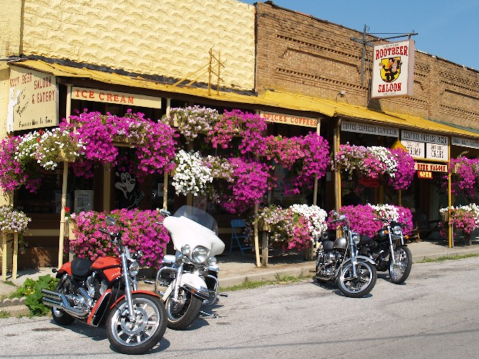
<point>415,149</point>
<point>424,174</point>
<point>289,119</point>
<point>464,142</point>
<point>437,152</point>
<point>423,145</point>
<point>430,167</point>
<point>33,101</point>
<point>393,69</point>
<point>369,129</point>
<point>424,137</point>
<point>119,98</point>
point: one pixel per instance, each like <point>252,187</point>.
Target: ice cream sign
<point>393,69</point>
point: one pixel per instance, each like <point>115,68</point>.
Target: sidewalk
<point>236,269</point>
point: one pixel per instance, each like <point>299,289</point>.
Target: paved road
<point>435,314</point>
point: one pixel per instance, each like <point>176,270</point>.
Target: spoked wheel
<point>184,311</point>
<point>141,334</point>
<point>361,285</point>
<point>400,270</point>
<point>58,315</point>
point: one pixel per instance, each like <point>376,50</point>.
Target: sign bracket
<point>366,42</point>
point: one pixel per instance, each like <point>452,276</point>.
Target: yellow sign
<point>289,119</point>
<point>33,100</point>
<point>120,98</point>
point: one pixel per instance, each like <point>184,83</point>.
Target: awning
<point>289,101</point>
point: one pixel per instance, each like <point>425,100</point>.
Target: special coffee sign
<point>393,69</point>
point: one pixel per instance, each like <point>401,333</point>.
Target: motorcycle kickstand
<point>206,314</point>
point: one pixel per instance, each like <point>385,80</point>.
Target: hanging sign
<point>120,98</point>
<point>33,100</point>
<point>430,167</point>
<point>464,142</point>
<point>424,174</point>
<point>423,145</point>
<point>393,69</point>
<point>349,126</point>
<point>415,149</point>
<point>289,119</point>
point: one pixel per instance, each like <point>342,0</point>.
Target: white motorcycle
<point>191,275</point>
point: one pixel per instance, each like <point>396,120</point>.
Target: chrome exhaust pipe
<point>59,301</point>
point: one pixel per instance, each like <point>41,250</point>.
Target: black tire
<point>142,335</point>
<point>182,314</point>
<point>399,272</point>
<point>58,315</point>
<point>360,286</point>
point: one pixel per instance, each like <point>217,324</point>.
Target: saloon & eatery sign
<point>393,69</point>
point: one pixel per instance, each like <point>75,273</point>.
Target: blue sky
<point>448,29</point>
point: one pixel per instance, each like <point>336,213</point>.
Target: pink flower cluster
<point>154,141</point>
<point>364,219</point>
<point>141,230</point>
<point>372,162</point>
<point>465,176</point>
<point>16,170</point>
<point>250,182</point>
<point>288,228</point>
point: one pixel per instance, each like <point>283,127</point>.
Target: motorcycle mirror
<point>110,221</point>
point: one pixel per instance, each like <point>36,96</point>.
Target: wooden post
<point>15,256</point>
<point>337,171</point>
<point>264,249</point>
<point>449,201</point>
<point>4,257</point>
<point>64,187</point>
<point>256,241</point>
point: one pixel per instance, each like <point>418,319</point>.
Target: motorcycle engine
<point>96,288</point>
<point>326,263</point>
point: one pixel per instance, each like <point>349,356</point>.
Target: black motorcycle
<point>389,239</point>
<point>338,261</point>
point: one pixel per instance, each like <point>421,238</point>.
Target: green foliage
<point>32,290</point>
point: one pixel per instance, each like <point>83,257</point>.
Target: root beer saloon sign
<point>393,69</point>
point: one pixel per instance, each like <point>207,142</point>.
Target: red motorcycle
<point>105,293</point>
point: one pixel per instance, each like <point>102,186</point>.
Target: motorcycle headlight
<point>397,230</point>
<point>186,250</point>
<point>212,261</point>
<point>134,268</point>
<point>200,254</point>
<point>355,238</point>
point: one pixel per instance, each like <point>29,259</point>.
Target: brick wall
<point>303,54</point>
<point>155,37</point>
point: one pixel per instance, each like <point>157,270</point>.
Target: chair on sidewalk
<point>238,235</point>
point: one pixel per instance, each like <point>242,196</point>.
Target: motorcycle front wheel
<point>142,334</point>
<point>400,270</point>
<point>361,285</point>
<point>182,313</point>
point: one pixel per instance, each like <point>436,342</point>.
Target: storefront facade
<point>297,77</point>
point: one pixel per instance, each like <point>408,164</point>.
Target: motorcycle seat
<point>364,240</point>
<point>81,267</point>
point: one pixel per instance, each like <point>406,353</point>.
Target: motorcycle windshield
<point>199,216</point>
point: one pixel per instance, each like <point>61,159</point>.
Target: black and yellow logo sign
<point>390,68</point>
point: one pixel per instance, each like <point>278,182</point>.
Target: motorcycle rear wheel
<point>360,286</point>
<point>144,333</point>
<point>400,271</point>
<point>182,314</point>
